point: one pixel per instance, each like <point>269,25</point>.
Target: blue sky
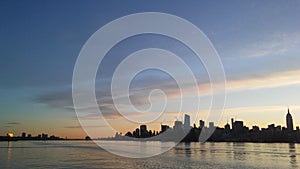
<point>258,42</point>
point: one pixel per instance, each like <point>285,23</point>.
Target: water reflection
<point>77,154</point>
<point>292,151</point>
<point>202,150</point>
<point>239,152</point>
<point>187,149</point>
<point>9,149</point>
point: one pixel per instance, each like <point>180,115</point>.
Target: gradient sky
<point>258,42</point>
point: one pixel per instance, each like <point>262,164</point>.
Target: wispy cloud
<point>278,43</point>
<point>13,123</point>
<point>79,127</point>
<point>141,96</point>
<point>268,81</point>
<point>259,109</point>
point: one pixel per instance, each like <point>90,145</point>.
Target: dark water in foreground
<point>82,154</point>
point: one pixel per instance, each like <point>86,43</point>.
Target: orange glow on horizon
<point>10,135</point>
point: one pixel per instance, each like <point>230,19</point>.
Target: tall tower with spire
<point>289,121</point>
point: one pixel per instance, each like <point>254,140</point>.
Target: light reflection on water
<point>82,154</point>
<point>9,147</point>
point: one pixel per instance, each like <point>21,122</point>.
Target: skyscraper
<point>201,124</point>
<point>187,123</point>
<point>289,121</point>
<point>143,131</point>
<point>164,128</point>
<point>177,125</point>
<point>211,125</point>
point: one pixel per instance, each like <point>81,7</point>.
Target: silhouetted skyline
<point>24,136</point>
<point>231,131</point>
<point>234,132</point>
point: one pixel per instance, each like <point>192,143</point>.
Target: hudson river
<point>85,154</point>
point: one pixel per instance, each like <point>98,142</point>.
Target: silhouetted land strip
<point>183,132</point>
<point>5,138</point>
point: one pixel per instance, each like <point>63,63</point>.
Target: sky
<point>257,41</point>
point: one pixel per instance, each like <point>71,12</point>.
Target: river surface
<point>86,154</point>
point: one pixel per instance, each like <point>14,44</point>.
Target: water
<point>83,154</point>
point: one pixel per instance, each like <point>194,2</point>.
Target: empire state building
<point>289,121</point>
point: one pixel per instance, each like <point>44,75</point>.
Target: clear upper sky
<point>258,42</point>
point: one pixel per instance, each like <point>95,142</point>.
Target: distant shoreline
<point>14,140</point>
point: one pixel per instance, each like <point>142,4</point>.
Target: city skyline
<point>202,124</point>
<point>258,44</point>
<point>235,131</point>
<point>186,126</point>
